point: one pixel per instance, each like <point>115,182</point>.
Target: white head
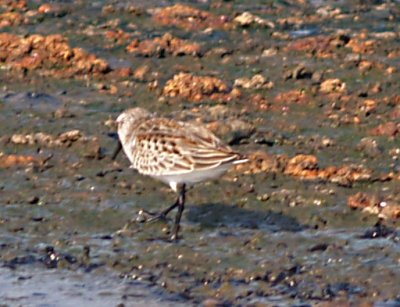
<point>128,120</point>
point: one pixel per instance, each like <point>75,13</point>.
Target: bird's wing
<point>171,147</point>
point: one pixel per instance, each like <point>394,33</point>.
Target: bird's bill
<point>116,150</point>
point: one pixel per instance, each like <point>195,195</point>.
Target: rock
<point>304,166</point>
<point>370,147</point>
<point>362,46</point>
<point>261,161</point>
<point>195,88</point>
<point>141,72</point>
<point>321,46</point>
<point>33,200</point>
<point>70,136</point>
<point>299,72</point>
<point>189,18</point>
<point>246,19</point>
<point>218,112</point>
<point>269,52</point>
<point>332,85</point>
<point>8,19</point>
<point>388,129</point>
<point>167,44</point>
<point>362,200</point>
<point>390,210</point>
<point>239,130</point>
<point>51,54</point>
<point>7,161</point>
<point>44,139</point>
<point>257,81</point>
<point>292,96</point>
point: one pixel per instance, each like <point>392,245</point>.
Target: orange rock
<point>45,8</point>
<point>141,72</point>
<point>292,96</point>
<point>123,72</point>
<point>327,173</point>
<point>368,105</point>
<point>30,62</point>
<point>260,102</point>
<point>189,18</point>
<point>246,19</point>
<point>304,166</point>
<point>391,210</point>
<point>395,115</point>
<point>309,44</point>
<point>7,161</point>
<point>362,46</point>
<point>371,203</point>
<point>332,85</point>
<point>320,46</point>
<point>9,19</point>
<point>391,70</point>
<point>362,200</point>
<point>195,88</point>
<point>50,54</point>
<point>261,161</point>
<point>48,140</point>
<point>14,4</point>
<point>165,44</point>
<point>257,81</point>
<point>354,173</point>
<point>365,65</point>
<point>388,129</point>
<point>119,36</point>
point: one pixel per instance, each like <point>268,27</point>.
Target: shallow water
<point>35,287</point>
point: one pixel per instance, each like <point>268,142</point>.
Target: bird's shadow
<point>212,215</point>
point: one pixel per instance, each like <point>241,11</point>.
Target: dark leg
<point>163,214</point>
<point>116,150</point>
<point>181,207</point>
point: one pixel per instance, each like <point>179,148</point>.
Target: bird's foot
<point>174,237</point>
<point>145,216</point>
<point>125,228</point>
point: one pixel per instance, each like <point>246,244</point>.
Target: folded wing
<point>169,147</point>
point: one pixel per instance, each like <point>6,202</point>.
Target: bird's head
<point>130,118</point>
<point>126,122</point>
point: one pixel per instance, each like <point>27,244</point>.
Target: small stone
<point>269,52</point>
<point>45,8</point>
<point>362,200</point>
<point>299,72</point>
<point>141,72</point>
<point>332,85</point>
<point>387,128</point>
<point>33,200</point>
<point>246,19</point>
<point>370,147</point>
<point>263,197</point>
<point>257,81</point>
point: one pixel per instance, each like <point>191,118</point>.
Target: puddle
<point>38,287</point>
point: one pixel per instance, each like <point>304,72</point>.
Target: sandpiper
<point>177,153</point>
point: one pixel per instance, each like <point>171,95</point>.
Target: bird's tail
<point>240,159</point>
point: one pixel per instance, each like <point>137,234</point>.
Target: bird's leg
<point>154,216</point>
<point>181,207</point>
<point>163,214</point>
<point>116,150</point>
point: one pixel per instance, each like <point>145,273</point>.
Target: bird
<point>177,153</point>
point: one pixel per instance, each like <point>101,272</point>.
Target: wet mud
<point>308,90</point>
